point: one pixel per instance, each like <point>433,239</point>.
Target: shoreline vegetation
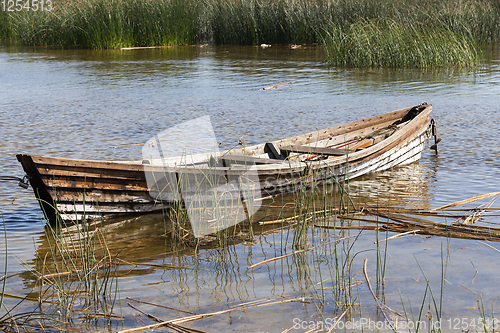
<point>355,33</point>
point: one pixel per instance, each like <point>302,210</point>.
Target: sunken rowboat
<point>72,189</point>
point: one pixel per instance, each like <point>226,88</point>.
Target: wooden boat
<point>73,189</point>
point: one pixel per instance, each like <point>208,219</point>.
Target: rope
<point>23,182</point>
<point>8,178</point>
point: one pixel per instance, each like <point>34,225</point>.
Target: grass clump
<point>267,21</point>
<point>103,24</point>
<point>76,272</point>
<point>372,43</point>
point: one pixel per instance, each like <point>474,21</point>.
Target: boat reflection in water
<point>406,187</point>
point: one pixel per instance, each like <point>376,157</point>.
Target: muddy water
<point>81,104</point>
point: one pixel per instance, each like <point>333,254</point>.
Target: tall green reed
<point>430,320</point>
<point>101,24</point>
<point>13,319</point>
<point>5,26</point>
<point>118,23</point>
<point>77,269</point>
<point>4,277</point>
<point>385,43</point>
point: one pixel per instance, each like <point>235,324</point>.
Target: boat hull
<point>73,190</point>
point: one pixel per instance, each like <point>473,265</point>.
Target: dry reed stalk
<point>27,298</point>
<point>375,297</point>
<point>167,266</point>
<point>420,212</point>
<point>161,306</point>
<point>176,328</point>
<point>48,276</point>
<point>466,201</point>
<point>409,224</point>
<point>76,272</point>
<point>207,315</point>
<point>338,320</point>
<point>366,227</point>
<point>494,248</point>
<point>472,291</point>
<point>284,220</point>
<point>408,233</point>
<point>292,218</point>
<point>296,252</point>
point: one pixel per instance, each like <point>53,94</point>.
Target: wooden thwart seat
<point>328,151</point>
<point>232,158</point>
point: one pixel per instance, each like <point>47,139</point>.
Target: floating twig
<point>130,145</point>
<point>145,47</point>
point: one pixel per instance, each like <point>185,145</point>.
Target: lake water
<point>82,103</point>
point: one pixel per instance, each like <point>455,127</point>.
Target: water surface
<point>82,103</point>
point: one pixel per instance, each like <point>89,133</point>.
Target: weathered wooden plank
<point>354,135</point>
<point>70,171</point>
<point>94,183</point>
<point>318,150</point>
<point>131,165</point>
<point>105,209</point>
<point>40,190</point>
<point>95,196</point>
<point>400,138</point>
<point>413,128</point>
<point>390,158</point>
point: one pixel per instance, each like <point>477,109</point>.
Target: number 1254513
<point>27,5</point>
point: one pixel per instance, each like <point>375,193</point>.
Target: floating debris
<point>145,47</point>
<point>277,85</point>
<point>408,222</point>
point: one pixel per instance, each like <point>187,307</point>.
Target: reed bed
<point>391,44</point>
<point>123,23</point>
<point>103,24</point>
<point>74,278</point>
